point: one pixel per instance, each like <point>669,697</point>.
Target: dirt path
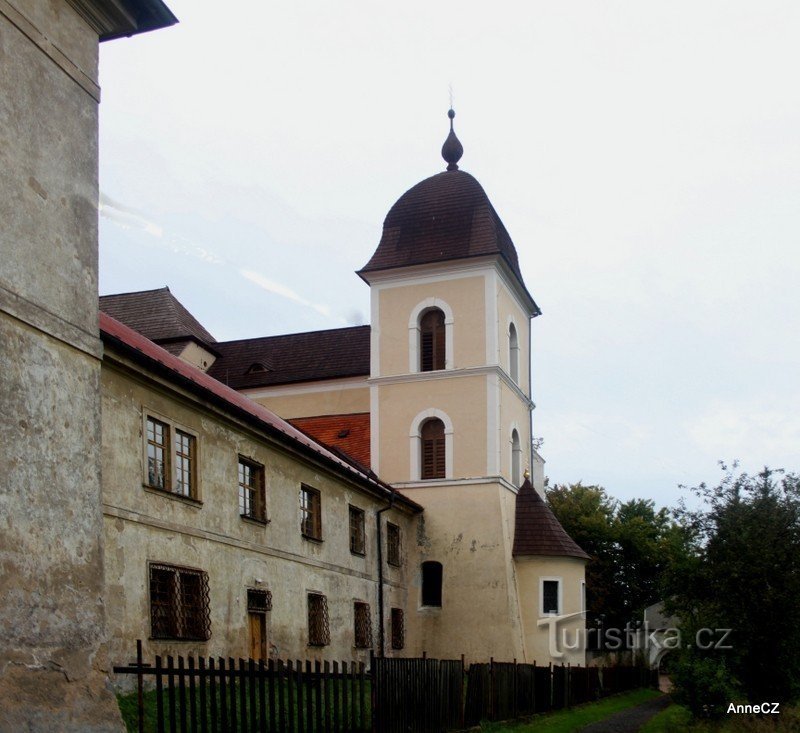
<point>630,720</point>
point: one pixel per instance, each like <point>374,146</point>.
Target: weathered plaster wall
<point>51,607</point>
<point>144,525</point>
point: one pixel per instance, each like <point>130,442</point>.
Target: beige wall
<point>315,398</point>
<point>513,412</point>
<point>509,307</point>
<point>52,615</point>
<point>144,525</point>
<point>198,356</point>
<point>570,571</point>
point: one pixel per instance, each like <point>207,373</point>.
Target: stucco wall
<point>315,398</point>
<point>51,608</point>
<point>143,525</point>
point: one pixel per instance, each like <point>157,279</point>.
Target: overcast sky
<point>644,157</point>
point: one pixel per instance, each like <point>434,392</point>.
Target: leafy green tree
<point>744,574</point>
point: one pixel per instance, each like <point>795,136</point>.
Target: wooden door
<point>258,635</point>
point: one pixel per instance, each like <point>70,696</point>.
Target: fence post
<point>139,686</point>
<point>491,688</point>
<point>374,690</point>
<point>461,701</point>
<point>568,685</point>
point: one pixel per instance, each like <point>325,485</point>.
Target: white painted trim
<point>326,385</point>
<point>374,429</point>
<point>560,581</point>
<point>375,334</point>
<point>415,447</point>
<point>413,332</point>
<point>491,295</point>
<point>480,480</point>
<point>513,353</point>
<point>492,424</point>
<point>515,428</point>
<point>436,271</point>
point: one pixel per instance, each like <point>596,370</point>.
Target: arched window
<point>513,353</point>
<point>432,442</point>
<point>516,459</point>
<point>432,583</point>
<point>431,341</point>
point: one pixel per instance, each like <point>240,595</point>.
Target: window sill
<point>254,520</point>
<point>394,564</point>
<point>357,553</point>
<point>317,540</point>
<point>172,495</point>
<point>159,639</point>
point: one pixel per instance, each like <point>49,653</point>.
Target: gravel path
<point>630,720</point>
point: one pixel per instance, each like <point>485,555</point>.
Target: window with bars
<point>179,603</point>
<point>432,442</point>
<point>319,633</point>
<point>432,341</point>
<point>357,531</point>
<point>252,498</point>
<point>550,596</point>
<point>171,458</point>
<point>310,513</point>
<point>259,601</point>
<point>393,544</point>
<point>432,583</point>
<point>398,629</point>
<point>362,625</point>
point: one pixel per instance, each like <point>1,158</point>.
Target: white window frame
<point>513,352</point>
<point>414,332</point>
<point>415,444</point>
<point>560,582</point>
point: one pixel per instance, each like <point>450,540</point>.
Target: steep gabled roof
<point>156,314</point>
<point>142,350</point>
<point>536,529</point>
<point>294,357</point>
<point>347,433</point>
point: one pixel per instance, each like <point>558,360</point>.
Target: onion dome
<point>536,529</point>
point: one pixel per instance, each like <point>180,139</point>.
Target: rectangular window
<point>171,458</point>
<point>357,538</point>
<point>157,454</point>
<point>252,499</point>
<point>319,633</point>
<point>550,593</point>
<point>179,607</point>
<point>398,629</point>
<point>393,544</point>
<point>310,513</point>
<point>363,625</point>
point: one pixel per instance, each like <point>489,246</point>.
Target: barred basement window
<point>363,625</point>
<point>398,629</point>
<point>432,341</point>
<point>392,544</point>
<point>357,533</point>
<point>433,449</point>
<point>252,499</point>
<point>310,513</point>
<point>319,633</point>
<point>259,600</point>
<point>179,603</point>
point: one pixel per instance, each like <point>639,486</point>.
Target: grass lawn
<point>566,721</point>
<point>676,719</point>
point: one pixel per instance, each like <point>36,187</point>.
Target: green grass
<point>677,719</point>
<point>566,721</point>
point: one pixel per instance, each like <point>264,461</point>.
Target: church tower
<point>450,405</point>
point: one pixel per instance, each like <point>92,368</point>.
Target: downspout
<point>381,631</point>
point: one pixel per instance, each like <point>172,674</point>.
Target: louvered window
<point>398,629</point>
<point>431,583</point>
<point>319,633</point>
<point>432,341</point>
<point>432,445</point>
<point>179,603</point>
<point>363,625</point>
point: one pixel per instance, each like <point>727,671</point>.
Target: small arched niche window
<point>432,583</point>
<point>513,353</point>
<point>432,447</point>
<point>431,340</point>
<point>516,458</point>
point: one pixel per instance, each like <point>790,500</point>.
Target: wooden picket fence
<point>409,695</point>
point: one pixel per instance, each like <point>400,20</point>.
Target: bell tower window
<point>432,341</point>
<point>513,353</point>
<point>433,449</point>
<point>516,459</point>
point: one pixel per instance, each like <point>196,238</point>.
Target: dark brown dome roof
<point>445,217</point>
<point>536,529</point>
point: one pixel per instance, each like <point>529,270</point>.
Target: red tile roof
<point>294,357</point>
<point>536,529</point>
<point>445,217</point>
<point>144,351</point>
<point>347,433</point>
<point>158,315</point>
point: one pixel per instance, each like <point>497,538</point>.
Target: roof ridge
<point>137,292</point>
<point>297,333</point>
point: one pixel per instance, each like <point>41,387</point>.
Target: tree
<point>744,575</point>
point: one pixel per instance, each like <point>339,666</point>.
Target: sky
<point>644,157</point>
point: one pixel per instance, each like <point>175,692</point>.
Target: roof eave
<point>112,19</point>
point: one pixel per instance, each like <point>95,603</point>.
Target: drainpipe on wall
<point>381,633</point>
